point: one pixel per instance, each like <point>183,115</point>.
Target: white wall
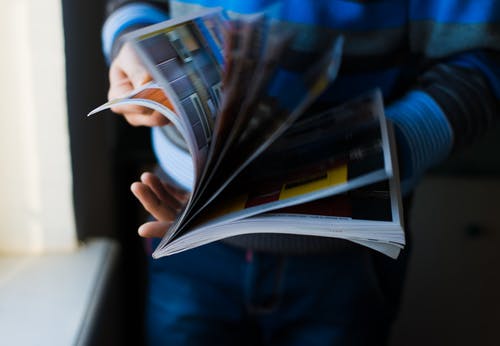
<point>36,207</point>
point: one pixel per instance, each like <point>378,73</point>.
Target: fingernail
<point>140,230</point>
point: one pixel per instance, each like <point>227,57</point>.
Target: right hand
<point>126,74</point>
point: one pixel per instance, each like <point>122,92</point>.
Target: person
<point>437,64</point>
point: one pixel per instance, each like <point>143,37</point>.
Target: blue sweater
<point>436,61</point>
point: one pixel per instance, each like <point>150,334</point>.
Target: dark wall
<point>107,156</point>
<point>92,139</point>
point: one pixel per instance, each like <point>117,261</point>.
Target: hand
<point>162,200</point>
<point>126,74</point>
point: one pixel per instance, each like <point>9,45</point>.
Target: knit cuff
<point>126,17</point>
<point>423,133</point>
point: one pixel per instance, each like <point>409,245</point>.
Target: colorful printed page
<point>185,57</point>
<point>331,153</point>
<point>369,216</point>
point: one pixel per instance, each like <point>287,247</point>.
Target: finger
<point>154,229</point>
<point>159,189</point>
<point>180,194</point>
<point>119,88</point>
<point>161,211</point>
<point>117,74</point>
<point>131,109</point>
<point>137,115</point>
<point>150,120</point>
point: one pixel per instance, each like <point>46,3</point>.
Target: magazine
<point>239,94</point>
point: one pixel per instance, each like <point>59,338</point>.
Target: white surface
<point>36,205</point>
<point>46,300</point>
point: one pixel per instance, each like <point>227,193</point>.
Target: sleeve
<point>124,16</point>
<point>456,98</point>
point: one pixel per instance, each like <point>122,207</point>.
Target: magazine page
<point>282,97</point>
<point>272,119</point>
<point>284,47</point>
<point>243,46</point>
<point>250,57</point>
<point>185,57</point>
<point>365,216</point>
<point>330,153</point>
<point>151,96</point>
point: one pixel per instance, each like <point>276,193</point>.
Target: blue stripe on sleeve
<point>345,15</point>
<point>454,11</point>
<point>125,17</point>
<point>240,6</point>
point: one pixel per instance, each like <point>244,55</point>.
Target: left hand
<point>162,200</point>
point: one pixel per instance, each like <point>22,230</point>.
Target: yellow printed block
<point>333,177</point>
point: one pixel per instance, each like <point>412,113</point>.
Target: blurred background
<point>72,268</point>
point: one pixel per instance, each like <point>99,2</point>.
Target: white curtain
<point>36,206</point>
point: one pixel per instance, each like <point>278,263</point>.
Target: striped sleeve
<point>465,89</point>
<point>457,96</point>
<point>461,40</point>
<point>131,15</point>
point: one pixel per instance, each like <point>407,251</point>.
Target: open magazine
<point>236,93</point>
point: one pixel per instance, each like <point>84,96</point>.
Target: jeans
<point>221,295</point>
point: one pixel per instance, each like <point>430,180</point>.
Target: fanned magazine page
<point>239,96</point>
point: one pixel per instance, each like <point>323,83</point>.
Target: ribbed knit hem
<point>175,161</point>
<point>423,133</point>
